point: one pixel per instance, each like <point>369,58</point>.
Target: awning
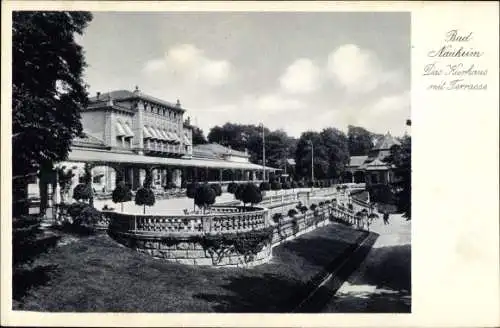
<point>119,130</point>
<point>159,134</point>
<point>146,133</point>
<point>152,131</point>
<point>187,141</point>
<point>128,130</point>
<point>105,157</point>
<point>165,135</point>
<point>176,138</point>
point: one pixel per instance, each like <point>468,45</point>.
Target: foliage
<point>303,209</point>
<point>300,184</point>
<point>275,185</point>
<point>265,186</point>
<point>145,197</point>
<point>250,193</point>
<point>231,188</point>
<point>204,196</point>
<point>217,188</point>
<point>382,194</point>
<point>83,192</point>
<point>292,212</point>
<point>313,207</point>
<point>294,184</point>
<point>286,185</point>
<point>191,189</point>
<point>48,92</point>
<point>401,158</point>
<point>64,177</point>
<point>121,194</point>
<point>277,217</point>
<point>360,140</point>
<point>198,136</point>
<point>349,206</point>
<point>310,184</point>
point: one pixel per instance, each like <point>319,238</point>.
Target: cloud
<point>358,70</point>
<point>277,103</point>
<point>302,76</point>
<point>188,64</point>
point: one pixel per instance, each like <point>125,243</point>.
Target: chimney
<point>178,103</point>
<point>136,89</point>
<point>98,94</point>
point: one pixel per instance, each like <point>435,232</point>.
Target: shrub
<point>313,207</point>
<point>321,203</point>
<point>300,184</point>
<point>107,208</point>
<point>204,196</point>
<point>217,188</point>
<point>231,188</point>
<point>191,189</point>
<point>145,197</point>
<point>303,209</point>
<point>265,186</point>
<point>310,184</point>
<point>275,185</point>
<point>82,191</point>
<point>292,212</point>
<point>84,217</point>
<point>286,185</point>
<point>316,184</point>
<point>294,184</point>
<point>121,194</point>
<point>349,206</point>
<point>277,217</point>
<point>250,193</point>
<point>170,185</point>
<point>338,188</point>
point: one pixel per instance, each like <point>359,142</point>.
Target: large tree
<point>335,142</point>
<point>401,158</point>
<point>360,140</point>
<point>48,92</point>
<point>308,142</point>
<point>198,136</point>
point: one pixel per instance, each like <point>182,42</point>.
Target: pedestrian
<point>386,218</point>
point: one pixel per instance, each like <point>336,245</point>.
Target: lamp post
<point>263,154</point>
<point>312,161</point>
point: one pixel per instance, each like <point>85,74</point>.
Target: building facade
<point>372,169</point>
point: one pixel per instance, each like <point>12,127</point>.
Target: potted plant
<point>204,197</point>
<point>121,194</point>
<point>145,195</point>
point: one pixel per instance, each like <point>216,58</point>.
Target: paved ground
<point>383,281</point>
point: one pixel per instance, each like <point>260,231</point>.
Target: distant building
<point>372,168</point>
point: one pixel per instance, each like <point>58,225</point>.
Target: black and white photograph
<point>211,162</point>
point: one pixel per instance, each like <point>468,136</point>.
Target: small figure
<point>386,218</point>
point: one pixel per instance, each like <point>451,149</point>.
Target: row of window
<point>171,115</point>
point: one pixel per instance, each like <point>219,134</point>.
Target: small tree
<point>82,192</point>
<point>121,194</point>
<point>277,217</point>
<point>264,186</point>
<point>217,188</point>
<point>64,178</point>
<point>275,185</point>
<point>250,193</point>
<point>204,196</point>
<point>231,188</point>
<point>87,180</point>
<point>292,212</point>
<point>145,196</point>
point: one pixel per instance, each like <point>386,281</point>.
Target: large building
<point>372,168</point>
<point>129,132</point>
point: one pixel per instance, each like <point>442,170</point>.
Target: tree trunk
<point>143,209</point>
<point>122,206</point>
<point>20,205</point>
<point>44,197</point>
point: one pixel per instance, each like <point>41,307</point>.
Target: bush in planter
<point>217,188</point>
<point>303,209</point>
<point>277,217</point>
<point>275,185</point>
<point>231,188</point>
<point>83,218</point>
<point>292,212</point>
<point>191,191</point>
<point>204,196</point>
<point>313,207</point>
<point>321,204</point>
<point>350,207</point>
<point>286,185</point>
<point>294,184</point>
<point>264,186</point>
<point>82,192</point>
<point>250,193</point>
<point>121,194</point>
<point>145,196</point>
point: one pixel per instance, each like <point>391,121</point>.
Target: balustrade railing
<point>220,219</point>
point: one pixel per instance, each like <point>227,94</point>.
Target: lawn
<point>95,274</point>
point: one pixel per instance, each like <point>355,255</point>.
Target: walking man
<point>386,218</point>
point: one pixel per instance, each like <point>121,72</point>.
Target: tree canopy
<point>198,136</point>
<point>48,91</point>
<point>401,158</point>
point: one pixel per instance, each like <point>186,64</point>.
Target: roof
<point>386,142</point>
<point>103,156</point>
<point>121,95</point>
<point>376,164</point>
<point>88,140</point>
<point>216,150</point>
<point>356,161</point>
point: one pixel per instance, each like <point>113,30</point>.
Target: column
<point>220,175</point>
<point>177,177</point>
<point>110,179</point>
<point>254,177</point>
<point>142,176</point>
<point>247,176</point>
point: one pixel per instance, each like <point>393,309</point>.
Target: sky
<point>290,70</point>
